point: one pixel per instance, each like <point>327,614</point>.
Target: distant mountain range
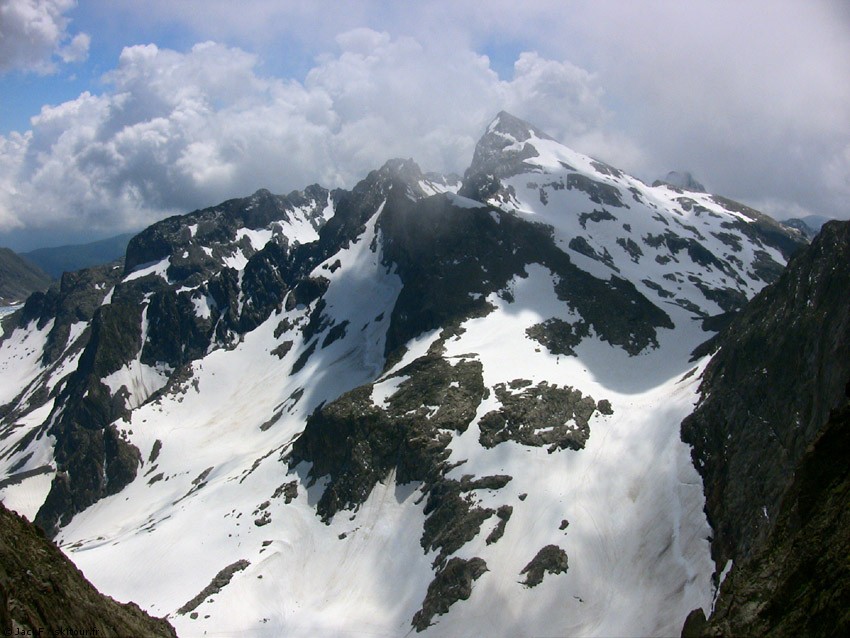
<point>58,259</point>
<point>809,225</point>
<point>19,278</point>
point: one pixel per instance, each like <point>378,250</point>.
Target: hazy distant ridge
<point>19,278</point>
<point>58,259</point>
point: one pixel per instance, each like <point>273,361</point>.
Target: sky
<point>117,113</point>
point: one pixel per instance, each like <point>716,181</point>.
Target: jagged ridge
<point>447,362</point>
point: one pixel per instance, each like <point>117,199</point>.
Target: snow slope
<point>229,526</point>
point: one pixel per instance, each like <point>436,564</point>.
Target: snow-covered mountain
<point>422,405</point>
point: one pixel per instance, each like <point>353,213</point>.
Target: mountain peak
<point>333,358</point>
<point>404,168</point>
<point>510,126</point>
<point>500,152</point>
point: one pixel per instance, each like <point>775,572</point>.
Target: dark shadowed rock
<point>452,583</point>
<point>798,582</point>
<point>540,415</point>
<point>220,581</point>
<point>782,366</point>
<point>549,560</point>
<point>770,440</point>
<point>41,590</point>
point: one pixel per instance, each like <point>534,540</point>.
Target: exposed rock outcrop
<point>781,367</point>
<point>42,591</point>
<point>771,438</point>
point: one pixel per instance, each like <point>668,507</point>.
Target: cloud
<point>34,33</point>
<point>178,131</point>
<point>748,96</point>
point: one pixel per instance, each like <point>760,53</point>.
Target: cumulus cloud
<point>748,95</point>
<point>34,33</point>
<point>177,131</point>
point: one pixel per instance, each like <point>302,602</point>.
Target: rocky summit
<point>430,404</point>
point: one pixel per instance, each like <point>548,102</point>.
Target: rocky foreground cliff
<point>43,593</point>
<point>771,439</point>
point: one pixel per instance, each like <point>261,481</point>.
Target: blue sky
<point>116,113</point>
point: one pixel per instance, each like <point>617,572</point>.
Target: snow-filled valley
<point>413,407</point>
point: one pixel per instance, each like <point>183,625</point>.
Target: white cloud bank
<point>177,131</point>
<point>34,34</point>
<point>749,96</point>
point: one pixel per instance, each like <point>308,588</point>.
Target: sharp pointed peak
<point>510,125</point>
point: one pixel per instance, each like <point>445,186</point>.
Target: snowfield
<point>636,539</point>
<point>219,531</point>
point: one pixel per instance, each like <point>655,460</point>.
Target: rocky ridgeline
<point>92,457</point>
<point>200,282</point>
<point>770,440</point>
<point>781,366</point>
<point>450,259</point>
<point>42,593</point>
<point>173,268</point>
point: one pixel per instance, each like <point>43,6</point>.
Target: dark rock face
<point>453,583</point>
<point>215,228</point>
<point>453,517</point>
<point>770,440</point>
<point>92,458</point>
<point>220,581</point>
<point>504,515</point>
<point>74,299</point>
<point>491,162</point>
<point>41,590</point>
<point>596,216</point>
<point>449,260</point>
<point>782,366</point>
<point>559,336</point>
<point>798,582</point>
<point>540,415</point>
<point>549,560</point>
<point>600,193</point>
<point>357,444</point>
